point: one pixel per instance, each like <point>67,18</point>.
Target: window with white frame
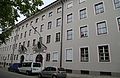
<point>69,55</point>
<point>99,8</point>
<point>59,9</point>
<point>23,44</point>
<point>50,14</point>
<point>34,41</point>
<point>41,28</point>
<point>36,20</point>
<point>35,30</point>
<point>117,4</point>
<point>82,1</point>
<point>25,33</point>
<point>48,38</point>
<point>70,4</point>
<point>58,22</point>
<point>104,53</point>
<point>55,57</point>
<point>83,31</point>
<point>43,17</point>
<point>118,20</point>
<point>58,37</point>
<point>69,18</point>
<point>83,13</point>
<point>30,32</point>
<point>31,22</point>
<point>84,54</point>
<point>49,25</point>
<point>21,35</point>
<point>28,44</point>
<point>69,34</point>
<point>101,28</point>
<point>48,57</point>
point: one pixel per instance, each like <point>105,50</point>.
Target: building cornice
<point>53,4</point>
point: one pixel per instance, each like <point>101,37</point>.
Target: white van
<point>30,67</point>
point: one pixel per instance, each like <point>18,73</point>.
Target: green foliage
<point>9,13</point>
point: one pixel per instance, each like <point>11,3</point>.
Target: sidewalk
<point>87,76</point>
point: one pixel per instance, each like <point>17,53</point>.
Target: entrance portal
<point>22,59</point>
<point>39,58</point>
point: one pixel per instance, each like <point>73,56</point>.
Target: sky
<point>46,2</point>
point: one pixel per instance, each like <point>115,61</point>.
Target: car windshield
<point>26,64</point>
<point>61,69</point>
<point>36,65</point>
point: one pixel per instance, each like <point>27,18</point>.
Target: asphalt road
<point>7,74</point>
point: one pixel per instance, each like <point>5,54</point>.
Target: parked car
<point>52,72</point>
<point>14,67</point>
<point>30,68</point>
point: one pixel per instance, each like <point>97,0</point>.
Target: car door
<point>52,71</point>
<point>45,72</point>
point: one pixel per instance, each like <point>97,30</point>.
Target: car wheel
<point>39,75</point>
<point>54,76</point>
<point>27,72</point>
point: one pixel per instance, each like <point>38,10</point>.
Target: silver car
<point>53,72</point>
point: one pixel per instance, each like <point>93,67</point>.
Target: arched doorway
<point>39,58</point>
<point>22,59</point>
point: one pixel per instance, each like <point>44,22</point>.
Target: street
<point>4,73</point>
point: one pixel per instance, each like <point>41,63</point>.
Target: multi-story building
<point>81,36</point>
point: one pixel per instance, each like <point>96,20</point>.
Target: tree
<point>9,13</point>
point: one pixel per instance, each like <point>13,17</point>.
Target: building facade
<point>81,36</point>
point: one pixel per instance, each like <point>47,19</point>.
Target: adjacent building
<point>82,36</point>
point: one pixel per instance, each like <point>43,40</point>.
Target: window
<point>43,17</point>
<point>117,4</point>
<point>21,35</point>
<point>104,53</point>
<point>26,25</point>
<point>82,1</point>
<point>19,45</point>
<point>47,57</point>
<point>69,34</point>
<point>41,27</point>
<point>31,22</point>
<point>28,44</point>
<point>101,28</point>
<point>70,4</point>
<point>34,40</point>
<point>83,13</point>
<point>48,38</point>
<point>83,32</point>
<point>55,57</point>
<point>35,29</point>
<point>69,18</point>
<point>58,22</point>
<point>59,9</point>
<point>24,43</point>
<point>30,32</point>
<point>118,20</point>
<point>99,8</point>
<point>50,14</point>
<point>49,25</point>
<point>69,55</point>
<point>36,20</point>
<point>84,54</point>
<point>22,27</point>
<point>58,37</point>
<point>25,33</point>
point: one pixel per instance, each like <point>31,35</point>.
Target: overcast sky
<point>46,2</point>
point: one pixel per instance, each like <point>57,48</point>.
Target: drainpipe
<point>61,44</point>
